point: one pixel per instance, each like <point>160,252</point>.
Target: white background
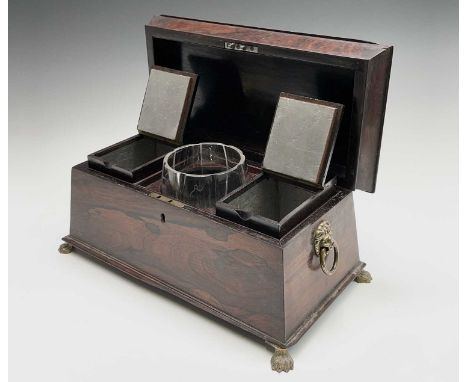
<point>77,79</point>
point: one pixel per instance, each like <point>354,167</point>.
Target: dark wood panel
<point>153,281</point>
<point>305,285</point>
<point>272,288</point>
<point>376,88</point>
<point>230,270</point>
<point>246,85</point>
<point>299,41</point>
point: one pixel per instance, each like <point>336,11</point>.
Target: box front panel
<point>232,271</point>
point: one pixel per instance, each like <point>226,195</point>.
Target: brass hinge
<point>165,199</point>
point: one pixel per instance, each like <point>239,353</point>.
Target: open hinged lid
<point>302,138</point>
<point>167,104</point>
<point>242,71</point>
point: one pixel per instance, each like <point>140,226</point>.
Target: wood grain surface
<point>248,279</point>
<point>228,269</point>
<point>305,285</point>
<point>246,85</point>
<point>272,288</point>
<point>300,41</point>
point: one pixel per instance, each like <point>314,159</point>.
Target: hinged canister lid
<point>167,103</point>
<point>302,138</point>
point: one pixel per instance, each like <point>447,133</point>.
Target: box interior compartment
<point>272,205</point>
<point>234,104</point>
<point>132,159</point>
<point>153,182</point>
<point>270,198</point>
<point>136,153</point>
<point>265,203</point>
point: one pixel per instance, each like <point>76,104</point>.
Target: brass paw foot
<point>281,360</point>
<point>65,248</point>
<point>363,277</point>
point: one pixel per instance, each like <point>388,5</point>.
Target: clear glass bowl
<point>200,174</point>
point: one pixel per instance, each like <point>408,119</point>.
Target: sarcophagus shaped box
<point>307,112</point>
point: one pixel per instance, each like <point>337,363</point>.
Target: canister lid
<point>302,138</point>
<point>167,103</point>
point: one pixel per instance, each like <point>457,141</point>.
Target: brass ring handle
<point>323,256</point>
<point>323,244</point>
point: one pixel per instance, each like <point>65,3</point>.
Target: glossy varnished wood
<point>135,273</point>
<point>372,86</point>
<point>270,286</point>
<point>260,36</point>
<point>228,269</point>
<point>305,285</point>
<point>249,279</point>
<point>245,85</point>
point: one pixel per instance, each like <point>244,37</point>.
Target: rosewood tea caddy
<point>307,111</point>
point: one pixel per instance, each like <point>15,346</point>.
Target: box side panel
<point>232,271</point>
<point>306,286</point>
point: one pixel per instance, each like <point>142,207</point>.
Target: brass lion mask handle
<point>323,244</point>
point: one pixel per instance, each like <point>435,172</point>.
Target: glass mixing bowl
<point>200,174</point>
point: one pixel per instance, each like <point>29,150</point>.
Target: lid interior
<point>238,92</point>
<point>244,69</point>
<point>301,139</point>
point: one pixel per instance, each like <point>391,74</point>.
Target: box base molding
<point>281,360</point>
